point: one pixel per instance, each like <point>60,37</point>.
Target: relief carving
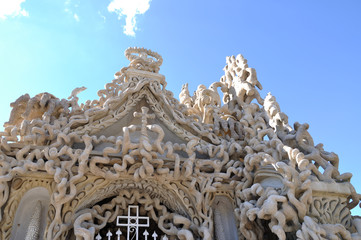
<point>242,147</point>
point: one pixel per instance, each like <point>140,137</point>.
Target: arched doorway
<point>134,213</point>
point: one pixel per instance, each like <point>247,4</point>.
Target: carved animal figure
<point>184,96</point>
<point>19,107</point>
<point>41,106</point>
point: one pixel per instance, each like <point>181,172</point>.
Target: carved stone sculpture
<point>34,225</point>
<point>196,168</point>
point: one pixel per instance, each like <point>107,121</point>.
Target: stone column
<point>224,220</point>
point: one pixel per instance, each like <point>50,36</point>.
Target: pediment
<point>143,90</point>
<point>139,146</point>
<point>127,118</point>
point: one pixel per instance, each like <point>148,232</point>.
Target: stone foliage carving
<point>171,224</point>
<point>219,148</point>
<point>330,210</point>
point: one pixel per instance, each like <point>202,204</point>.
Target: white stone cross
<point>144,118</point>
<point>133,222</point>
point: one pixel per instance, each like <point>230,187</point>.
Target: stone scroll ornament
<point>136,145</point>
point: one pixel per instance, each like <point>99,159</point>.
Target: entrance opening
<point>133,224</point>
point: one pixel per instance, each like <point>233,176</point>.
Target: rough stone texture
<point>200,168</point>
<point>26,217</point>
<point>34,224</point>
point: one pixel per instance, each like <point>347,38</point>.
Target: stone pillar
<point>224,220</point>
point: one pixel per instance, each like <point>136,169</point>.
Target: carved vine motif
<point>98,189</point>
<point>144,59</point>
<point>225,144</point>
<point>330,210</point>
<point>169,222</point>
<point>19,187</point>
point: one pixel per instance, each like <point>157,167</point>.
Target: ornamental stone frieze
<point>139,164</point>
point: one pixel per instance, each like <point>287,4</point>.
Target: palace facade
<point>139,164</point>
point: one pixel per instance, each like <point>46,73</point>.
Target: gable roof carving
<point>241,124</point>
<point>201,145</point>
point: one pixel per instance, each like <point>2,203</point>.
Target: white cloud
<point>102,16</point>
<point>12,8</point>
<point>67,3</point>
<point>69,6</point>
<point>76,17</point>
<point>129,9</point>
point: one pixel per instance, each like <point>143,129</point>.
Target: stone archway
<point>172,225</point>
<point>30,217</point>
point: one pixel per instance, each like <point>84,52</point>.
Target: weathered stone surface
<point>205,167</point>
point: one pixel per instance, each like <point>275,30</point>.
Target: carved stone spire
<point>34,224</point>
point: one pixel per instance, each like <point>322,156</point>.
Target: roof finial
<point>144,59</point>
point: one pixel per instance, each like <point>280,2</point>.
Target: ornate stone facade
<point>198,168</point>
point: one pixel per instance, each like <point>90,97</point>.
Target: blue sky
<point>306,53</point>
